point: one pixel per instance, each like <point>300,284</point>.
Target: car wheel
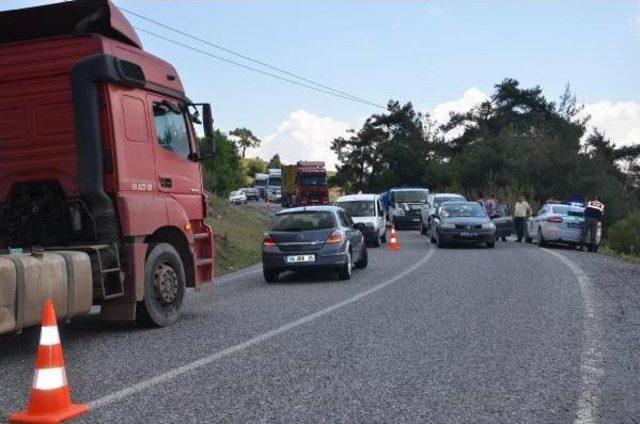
<point>541,241</point>
<point>376,242</point>
<point>364,258</point>
<point>164,286</point>
<point>346,270</point>
<point>423,230</point>
<point>384,237</point>
<point>271,275</point>
<point>491,244</point>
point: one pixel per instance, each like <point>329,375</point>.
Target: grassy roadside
<point>634,259</point>
<point>239,231</point>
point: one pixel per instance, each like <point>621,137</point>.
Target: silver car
<point>558,223</point>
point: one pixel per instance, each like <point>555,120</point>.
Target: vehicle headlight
<point>399,212</point>
<point>489,226</point>
<point>448,225</point>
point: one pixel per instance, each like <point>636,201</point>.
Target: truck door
<point>177,175</point>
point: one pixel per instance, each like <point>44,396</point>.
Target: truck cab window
<point>171,129</point>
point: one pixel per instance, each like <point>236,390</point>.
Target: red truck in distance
<point>304,184</point>
<point>98,158</point>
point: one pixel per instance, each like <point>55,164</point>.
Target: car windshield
<point>441,199</point>
<point>357,208</point>
<point>410,196</point>
<point>275,181</point>
<point>463,210</point>
<point>235,193</point>
<point>303,221</point>
<point>261,183</point>
<point>319,179</point>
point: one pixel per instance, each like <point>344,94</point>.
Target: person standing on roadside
<point>490,206</point>
<point>521,212</point>
<point>593,214</point>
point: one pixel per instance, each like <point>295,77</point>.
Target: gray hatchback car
<point>314,237</point>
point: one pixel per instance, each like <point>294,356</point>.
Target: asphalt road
<point>514,334</point>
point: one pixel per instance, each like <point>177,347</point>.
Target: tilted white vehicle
<point>366,209</point>
<point>237,197</point>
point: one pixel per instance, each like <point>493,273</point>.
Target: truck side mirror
<point>208,146</point>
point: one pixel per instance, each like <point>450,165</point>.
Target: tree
<point>245,139</point>
<point>274,162</point>
<point>223,171</point>
<point>255,166</point>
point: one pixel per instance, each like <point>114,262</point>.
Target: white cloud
<point>303,136</point>
<point>620,121</point>
<point>469,99</point>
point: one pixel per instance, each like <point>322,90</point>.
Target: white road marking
<point>184,369</point>
<point>591,358</point>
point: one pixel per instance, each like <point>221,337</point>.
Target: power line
<point>324,88</point>
<point>186,46</point>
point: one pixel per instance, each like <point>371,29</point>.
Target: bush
<point>624,235</point>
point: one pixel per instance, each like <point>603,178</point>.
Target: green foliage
<point>274,162</point>
<point>223,172</point>
<point>518,142</point>
<point>245,139</point>
<point>255,166</point>
<point>624,235</point>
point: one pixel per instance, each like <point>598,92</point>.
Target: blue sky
<point>429,53</point>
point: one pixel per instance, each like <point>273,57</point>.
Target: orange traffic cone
<point>394,243</point>
<point>50,400</point>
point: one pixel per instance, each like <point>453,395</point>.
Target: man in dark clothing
<point>593,214</point>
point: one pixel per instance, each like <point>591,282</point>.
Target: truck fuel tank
<point>28,279</point>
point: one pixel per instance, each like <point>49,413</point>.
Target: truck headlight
<point>489,226</point>
<point>448,225</point>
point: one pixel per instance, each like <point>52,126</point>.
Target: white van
<point>366,209</point>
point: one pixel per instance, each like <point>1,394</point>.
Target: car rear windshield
<point>410,196</point>
<point>303,221</point>
<point>463,210</point>
<point>566,210</point>
<point>357,208</point>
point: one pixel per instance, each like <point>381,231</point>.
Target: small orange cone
<point>50,400</point>
<point>394,243</point>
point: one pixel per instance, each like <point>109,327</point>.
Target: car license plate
<point>468,234</point>
<point>298,259</point>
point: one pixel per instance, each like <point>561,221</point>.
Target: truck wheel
<point>364,258</point>
<point>164,286</point>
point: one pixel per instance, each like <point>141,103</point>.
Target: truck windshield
<point>275,181</point>
<point>410,196</point>
<point>261,183</point>
<point>358,208</point>
<point>313,179</point>
<point>303,221</point>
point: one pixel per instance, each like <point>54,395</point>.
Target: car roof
<point>333,209</point>
<point>361,196</point>
<point>447,194</point>
<point>409,189</point>
<point>459,203</point>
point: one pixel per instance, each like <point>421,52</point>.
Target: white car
<point>558,223</point>
<point>237,197</point>
<point>366,209</point>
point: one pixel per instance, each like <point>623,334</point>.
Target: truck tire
<point>164,286</point>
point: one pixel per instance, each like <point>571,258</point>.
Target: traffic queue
<point>336,236</point>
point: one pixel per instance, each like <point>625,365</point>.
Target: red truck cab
<point>98,153</point>
<point>312,183</point>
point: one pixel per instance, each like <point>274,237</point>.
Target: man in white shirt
<point>520,213</point>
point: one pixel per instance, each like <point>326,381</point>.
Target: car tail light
<point>557,219</point>
<point>335,237</point>
<point>268,241</point>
